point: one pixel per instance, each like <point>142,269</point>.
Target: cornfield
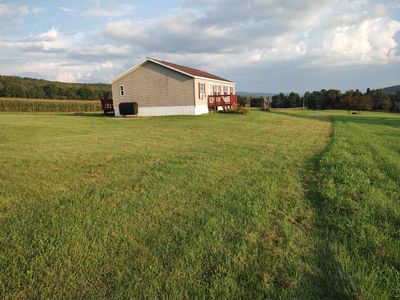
<point>39,105</point>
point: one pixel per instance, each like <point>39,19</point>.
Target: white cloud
<point>369,41</point>
<point>103,50</point>
<point>127,29</point>
<point>110,9</point>
<point>79,72</point>
<point>98,8</point>
<point>59,56</point>
<point>12,10</point>
<point>312,32</point>
<point>66,9</point>
<point>222,36</point>
<point>49,41</point>
<point>37,10</point>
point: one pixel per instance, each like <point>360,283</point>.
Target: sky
<point>263,45</point>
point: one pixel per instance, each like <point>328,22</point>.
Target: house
<point>159,88</point>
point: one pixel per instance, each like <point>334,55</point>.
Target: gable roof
<point>191,72</point>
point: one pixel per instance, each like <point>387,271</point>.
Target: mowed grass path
<point>356,196</point>
<point>211,206</point>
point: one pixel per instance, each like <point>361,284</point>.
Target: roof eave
<point>217,80</point>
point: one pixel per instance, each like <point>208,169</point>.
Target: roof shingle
<point>191,71</point>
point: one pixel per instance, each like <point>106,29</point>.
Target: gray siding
<point>152,85</point>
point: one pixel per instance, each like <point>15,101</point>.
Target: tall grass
<point>30,105</point>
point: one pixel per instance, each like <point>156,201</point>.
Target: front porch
<point>224,101</point>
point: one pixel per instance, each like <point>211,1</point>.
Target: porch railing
<point>222,100</point>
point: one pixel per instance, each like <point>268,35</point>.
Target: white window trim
<point>122,90</point>
<point>202,91</point>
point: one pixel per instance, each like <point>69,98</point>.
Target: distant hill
<point>24,87</point>
<point>256,94</point>
<point>392,89</point>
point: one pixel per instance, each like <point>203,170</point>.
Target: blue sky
<point>263,45</point>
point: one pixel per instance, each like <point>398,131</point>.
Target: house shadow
<point>87,114</point>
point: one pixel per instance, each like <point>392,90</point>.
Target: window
<point>121,90</point>
<point>231,90</point>
<point>202,90</point>
<point>225,90</point>
<point>215,89</point>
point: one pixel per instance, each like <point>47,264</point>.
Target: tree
<point>242,101</point>
<point>2,89</point>
<point>357,102</point>
<point>13,86</point>
<point>106,95</point>
<point>13,89</point>
<point>86,93</point>
<point>294,100</point>
<point>333,99</point>
<point>51,91</point>
<point>381,101</point>
<point>395,102</point>
<point>257,102</point>
<point>278,100</point>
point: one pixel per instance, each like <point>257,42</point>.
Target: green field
<point>285,204</point>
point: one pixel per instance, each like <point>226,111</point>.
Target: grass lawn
<point>288,204</point>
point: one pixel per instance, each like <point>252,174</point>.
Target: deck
<point>224,101</point>
<point>107,106</point>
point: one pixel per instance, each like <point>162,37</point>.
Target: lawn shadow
<point>359,119</point>
<point>87,114</point>
<point>329,281</point>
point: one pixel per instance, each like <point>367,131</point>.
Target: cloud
<point>102,51</point>
<point>228,33</point>
<point>37,10</point>
<point>7,10</point>
<point>60,56</point>
<point>248,41</point>
<point>66,9</point>
<point>370,41</point>
<point>110,9</point>
<point>50,41</point>
<point>67,72</point>
<point>97,8</point>
<point>80,72</point>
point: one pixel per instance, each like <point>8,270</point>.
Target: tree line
<point>354,99</point>
<point>331,99</point>
<point>21,87</point>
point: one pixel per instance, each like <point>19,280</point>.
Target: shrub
<point>235,110</point>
